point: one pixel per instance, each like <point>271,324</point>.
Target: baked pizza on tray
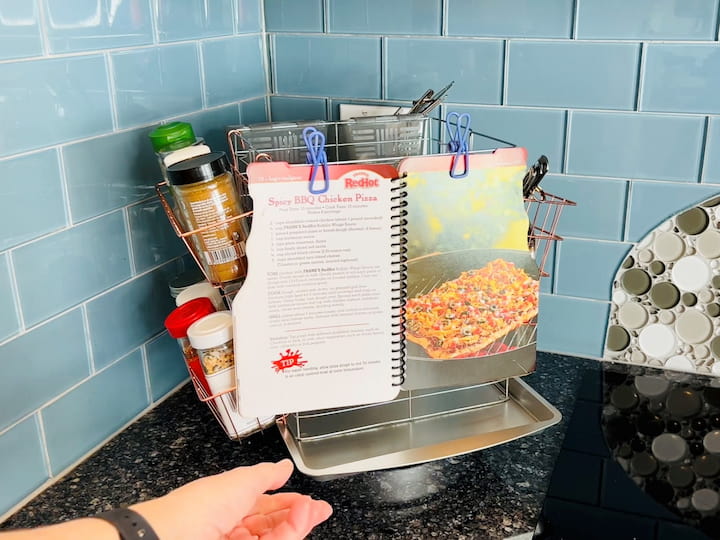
<point>462,317</point>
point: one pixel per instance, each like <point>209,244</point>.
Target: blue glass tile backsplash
<point>86,251</point>
<point>621,96</point>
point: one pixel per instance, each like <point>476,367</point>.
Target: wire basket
<point>372,140</point>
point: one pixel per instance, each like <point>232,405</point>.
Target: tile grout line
<point>79,140</point>
<point>325,16</point>
<point>88,339</point>
<point>505,73</point>
<point>566,143</point>
<point>383,69</point>
<point>575,19</point>
<point>201,68</point>
<point>154,13</point>
<point>642,64</point>
<point>16,297</point>
<point>55,316</point>
<point>112,94</point>
<point>43,442</point>
<point>44,39</point>
<point>130,247</point>
<point>444,19</point>
<point>60,157</point>
<point>146,371</point>
<point>703,149</point>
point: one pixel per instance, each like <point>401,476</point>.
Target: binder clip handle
<point>458,127</point>
<point>316,156</point>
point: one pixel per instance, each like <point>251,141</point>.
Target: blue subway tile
<point>327,65</point>
<point>540,131</point>
<point>152,84</point>
<point>651,203</point>
<point>44,102</point>
<point>138,307</point>
<point>212,125</point>
<point>600,210</point>
<point>22,465</point>
<point>414,65</point>
<point>572,325</point>
<point>41,364</point>
<point>248,16</point>
<point>624,145</point>
<point>646,19</point>
<point>711,163</point>
<point>73,26</point>
<point>253,111</point>
<point>153,240</point>
<point>681,78</point>
<point>85,416</point>
<point>586,268</point>
<point>546,263</point>
<point>64,269</point>
<point>510,18</point>
<point>166,365</point>
<point>9,322</point>
<point>412,17</point>
<point>128,173</point>
<point>20,30</point>
<point>290,109</point>
<point>294,15</point>
<point>603,75</point>
<point>674,531</point>
<point>233,69</point>
<point>190,19</point>
<point>46,200</point>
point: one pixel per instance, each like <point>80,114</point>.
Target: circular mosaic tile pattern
<point>666,296</point>
<point>663,429</point>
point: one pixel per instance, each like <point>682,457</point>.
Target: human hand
<point>233,505</point>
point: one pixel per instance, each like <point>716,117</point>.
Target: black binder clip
<point>534,176</point>
<point>316,156</point>
<point>459,134</point>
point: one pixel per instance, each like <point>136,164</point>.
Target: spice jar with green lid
<point>174,142</point>
<point>206,196</point>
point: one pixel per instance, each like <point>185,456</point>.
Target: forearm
<point>80,529</point>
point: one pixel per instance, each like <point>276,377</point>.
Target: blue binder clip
<point>459,135</point>
<point>315,156</point>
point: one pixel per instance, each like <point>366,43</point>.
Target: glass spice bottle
<point>177,324</point>
<point>206,196</point>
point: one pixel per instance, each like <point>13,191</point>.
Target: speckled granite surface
<point>495,493</point>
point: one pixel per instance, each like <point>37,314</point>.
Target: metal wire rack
<point>372,142</point>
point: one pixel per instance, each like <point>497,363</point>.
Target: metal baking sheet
<point>424,439</point>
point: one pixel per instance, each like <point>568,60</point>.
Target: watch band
<point>129,524</point>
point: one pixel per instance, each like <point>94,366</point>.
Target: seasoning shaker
<point>206,197</point>
<point>175,142</point>
<point>179,282</point>
<point>177,324</point>
<point>212,338</point>
<point>201,290</point>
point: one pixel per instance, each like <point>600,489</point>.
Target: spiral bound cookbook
<point>318,322</point>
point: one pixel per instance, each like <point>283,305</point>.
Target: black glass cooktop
<point>641,459</point>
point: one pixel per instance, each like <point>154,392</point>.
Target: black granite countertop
<point>494,493</point>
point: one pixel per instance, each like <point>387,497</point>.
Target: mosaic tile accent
<point>665,309</point>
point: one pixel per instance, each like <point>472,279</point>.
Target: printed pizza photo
<point>462,317</point>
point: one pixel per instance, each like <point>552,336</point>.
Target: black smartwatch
<point>129,524</point>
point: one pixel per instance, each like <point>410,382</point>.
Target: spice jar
<point>201,290</point>
<point>183,280</point>
<point>206,196</point>
<point>177,324</point>
<point>212,338</point>
<point>175,142</point>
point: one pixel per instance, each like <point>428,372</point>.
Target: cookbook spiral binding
<point>399,280</point>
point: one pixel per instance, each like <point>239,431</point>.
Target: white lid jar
<point>212,337</point>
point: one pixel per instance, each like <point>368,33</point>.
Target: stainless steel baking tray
<point>334,445</point>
